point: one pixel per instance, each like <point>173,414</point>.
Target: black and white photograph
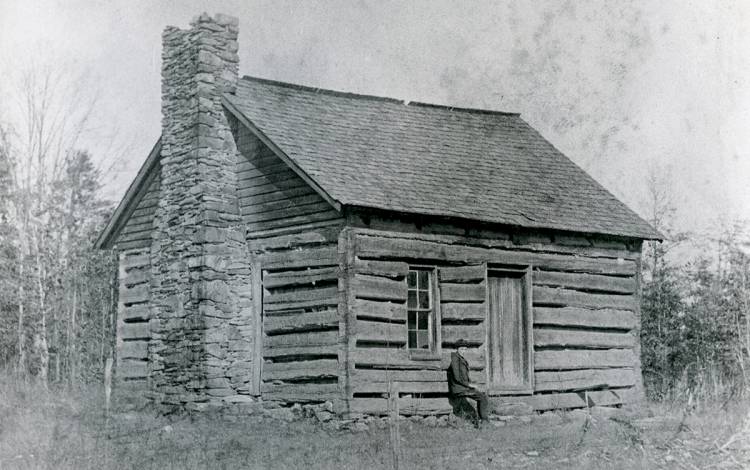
<point>368,234</point>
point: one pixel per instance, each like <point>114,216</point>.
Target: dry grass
<point>57,429</point>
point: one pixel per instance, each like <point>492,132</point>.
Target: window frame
<point>434,324</point>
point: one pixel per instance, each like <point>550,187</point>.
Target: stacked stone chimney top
<point>220,18</point>
<point>214,40</point>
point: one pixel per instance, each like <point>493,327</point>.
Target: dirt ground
<point>48,430</point>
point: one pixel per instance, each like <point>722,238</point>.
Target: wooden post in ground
<point>107,385</point>
<point>393,425</point>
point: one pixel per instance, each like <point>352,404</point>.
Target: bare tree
<point>47,111</point>
<point>660,211</point>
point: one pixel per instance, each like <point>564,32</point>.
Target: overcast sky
<point>620,87</point>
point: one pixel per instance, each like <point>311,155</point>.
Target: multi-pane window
<point>420,309</point>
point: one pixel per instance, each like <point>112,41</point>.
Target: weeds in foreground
<point>61,429</point>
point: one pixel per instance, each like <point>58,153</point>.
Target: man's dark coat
<point>458,375</point>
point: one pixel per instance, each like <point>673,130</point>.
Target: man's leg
<point>483,404</point>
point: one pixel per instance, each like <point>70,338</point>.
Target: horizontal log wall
<point>271,195</point>
<point>584,310</point>
<point>132,329</point>
<point>300,312</point>
<point>136,233</point>
<point>462,296</point>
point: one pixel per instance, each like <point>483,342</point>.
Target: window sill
<point>424,356</point>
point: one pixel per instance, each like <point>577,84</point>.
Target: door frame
<point>524,272</point>
<point>257,293</point>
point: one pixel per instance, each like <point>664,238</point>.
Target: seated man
<point>460,386</point>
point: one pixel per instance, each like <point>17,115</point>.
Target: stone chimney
<point>201,308</point>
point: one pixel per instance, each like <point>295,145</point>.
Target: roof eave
<point>655,236</point>
<point>129,202</point>
<point>651,235</point>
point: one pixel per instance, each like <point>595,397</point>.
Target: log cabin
<point>297,245</point>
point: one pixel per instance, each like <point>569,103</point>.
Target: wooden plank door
<point>508,333</point>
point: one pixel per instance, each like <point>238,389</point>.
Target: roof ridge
<point>347,94</point>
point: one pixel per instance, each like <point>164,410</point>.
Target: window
<point>420,309</point>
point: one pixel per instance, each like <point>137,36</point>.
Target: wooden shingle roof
<point>426,159</point>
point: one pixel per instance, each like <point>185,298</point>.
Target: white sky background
<point>619,87</point>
